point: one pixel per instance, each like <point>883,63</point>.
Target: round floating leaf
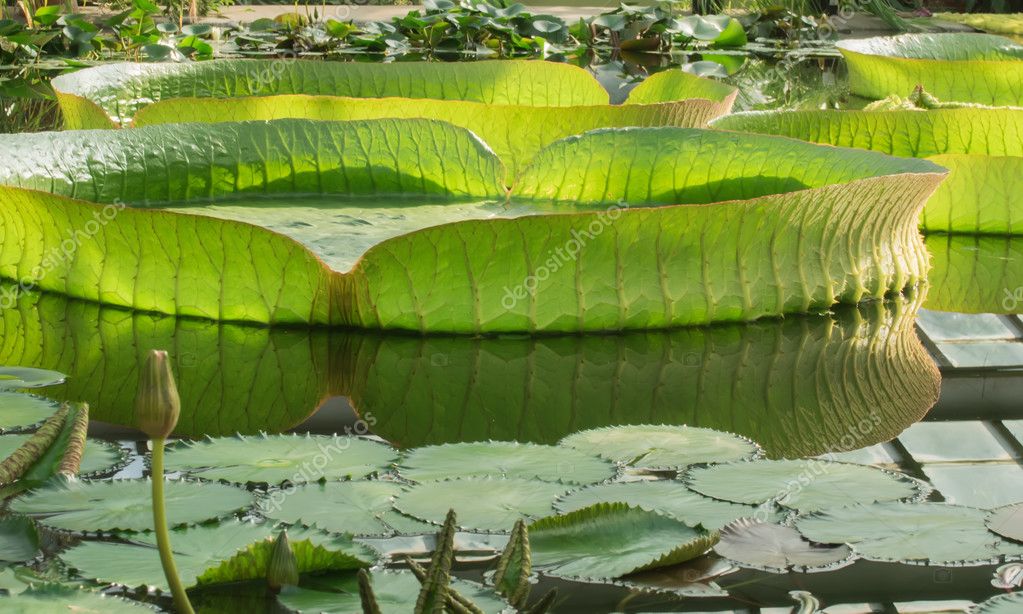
<point>99,456</point>
<point>505,459</point>
<point>1011,603</point>
<point>665,496</point>
<point>778,549</point>
<point>226,552</point>
<point>359,508</point>
<point>15,378</point>
<point>19,410</point>
<point>804,485</point>
<point>275,458</point>
<point>609,540</point>
<point>1007,521</point>
<point>19,540</point>
<point>396,593</point>
<point>125,504</point>
<point>917,533</point>
<point>59,599</point>
<point>663,447</point>
<point>484,504</point>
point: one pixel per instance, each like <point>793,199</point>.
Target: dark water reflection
<point>799,386</point>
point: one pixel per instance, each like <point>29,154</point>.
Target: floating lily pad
<point>19,410</point>
<point>1007,521</point>
<point>16,378</point>
<point>125,504</point>
<point>1011,603</point>
<point>916,533</point>
<point>609,540</point>
<point>58,599</point>
<point>665,496</point>
<point>211,554</point>
<point>504,459</point>
<point>19,540</point>
<point>396,593</point>
<point>804,485</point>
<point>485,504</point>
<point>778,549</point>
<point>98,457</point>
<point>358,508</point>
<point>277,458</point>
<point>663,447</point>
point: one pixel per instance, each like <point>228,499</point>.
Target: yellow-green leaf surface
<point>517,107</point>
<point>953,66</point>
<point>975,274</point>
<point>804,226</point>
<point>982,147</point>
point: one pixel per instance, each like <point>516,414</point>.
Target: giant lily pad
<point>502,459</point>
<point>19,540</point>
<point>1000,604</point>
<point>975,274</point>
<point>804,485</point>
<point>12,378</point>
<point>517,107</point>
<point>954,66</point>
<point>396,593</point>
<point>19,410</point>
<point>125,504</point>
<point>983,147</point>
<point>918,533</point>
<point>662,447</point>
<point>358,508</point>
<point>778,549</point>
<point>278,458</point>
<point>622,273</point>
<point>212,554</point>
<point>612,540</point>
<point>481,503</point>
<point>1007,521</point>
<point>667,497</point>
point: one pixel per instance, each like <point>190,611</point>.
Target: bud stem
<point>170,570</point>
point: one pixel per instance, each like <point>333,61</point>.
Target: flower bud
<point>157,405</point>
<point>283,567</point>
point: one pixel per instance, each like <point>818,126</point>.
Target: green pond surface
<point>926,383</point>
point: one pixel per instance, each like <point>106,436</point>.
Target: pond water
<point>860,384</point>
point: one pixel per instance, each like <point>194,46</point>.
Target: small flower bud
<point>283,567</point>
<point>157,404</point>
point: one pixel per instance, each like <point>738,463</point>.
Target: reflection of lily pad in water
<point>232,379</point>
<point>971,274</point>
<point>798,387</point>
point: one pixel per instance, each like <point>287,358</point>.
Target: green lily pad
<point>212,554</point>
<point>667,497</point>
<point>663,447</point>
<point>125,504</point>
<point>953,66</point>
<point>58,599</point>
<point>396,593</point>
<point>804,485</point>
<point>504,459</point>
<point>99,456</point>
<point>778,549</point>
<point>484,504</point>
<point>1011,603</point>
<point>914,533</point>
<point>1007,521</point>
<point>358,508</point>
<point>19,410</point>
<point>274,459</point>
<point>610,540</point>
<point>16,378</point>
<point>19,540</point>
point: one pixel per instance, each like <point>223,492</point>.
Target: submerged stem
<point>163,536</point>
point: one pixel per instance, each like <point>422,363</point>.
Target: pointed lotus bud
<point>157,405</point>
<point>283,567</point>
